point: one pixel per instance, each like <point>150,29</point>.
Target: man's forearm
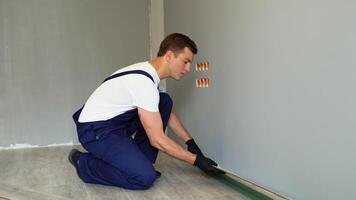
<point>170,147</point>
<point>177,127</point>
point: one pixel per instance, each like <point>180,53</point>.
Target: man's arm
<point>177,127</point>
<point>152,124</point>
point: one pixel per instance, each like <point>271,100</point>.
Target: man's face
<point>180,64</point>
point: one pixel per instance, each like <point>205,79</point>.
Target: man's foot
<point>73,157</point>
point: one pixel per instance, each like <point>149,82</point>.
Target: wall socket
<point>202,66</point>
<point>202,83</point>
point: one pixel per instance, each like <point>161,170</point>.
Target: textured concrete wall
<point>280,109</point>
<point>53,54</point>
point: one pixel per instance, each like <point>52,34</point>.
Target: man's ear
<point>168,56</point>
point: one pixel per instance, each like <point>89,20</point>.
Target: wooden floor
<point>45,173</point>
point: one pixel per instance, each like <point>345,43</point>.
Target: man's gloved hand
<point>207,165</point>
<point>193,147</point>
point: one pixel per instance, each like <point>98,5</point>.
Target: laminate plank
<point>45,173</point>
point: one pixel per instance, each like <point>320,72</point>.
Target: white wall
<point>53,54</point>
<point>281,106</point>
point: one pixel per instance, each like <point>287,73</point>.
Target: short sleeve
<point>144,93</point>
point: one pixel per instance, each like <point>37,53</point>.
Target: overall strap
<point>129,72</point>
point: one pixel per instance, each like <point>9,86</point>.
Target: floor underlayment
<point>45,173</point>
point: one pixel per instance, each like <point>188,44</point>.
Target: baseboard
<point>258,190</point>
<point>27,146</point>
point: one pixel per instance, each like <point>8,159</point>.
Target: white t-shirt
<point>123,93</point>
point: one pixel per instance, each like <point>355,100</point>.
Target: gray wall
<point>281,106</point>
<point>53,54</point>
<point>156,21</point>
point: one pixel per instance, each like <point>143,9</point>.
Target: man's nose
<point>187,68</point>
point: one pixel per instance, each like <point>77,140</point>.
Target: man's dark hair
<point>176,42</point>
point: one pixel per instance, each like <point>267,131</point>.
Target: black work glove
<point>193,147</point>
<point>207,165</point>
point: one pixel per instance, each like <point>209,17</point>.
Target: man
<point>122,123</point>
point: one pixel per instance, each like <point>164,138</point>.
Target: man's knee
<point>165,101</point>
<point>137,181</point>
<point>146,179</point>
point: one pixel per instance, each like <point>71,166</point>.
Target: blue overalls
<point>114,157</point>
